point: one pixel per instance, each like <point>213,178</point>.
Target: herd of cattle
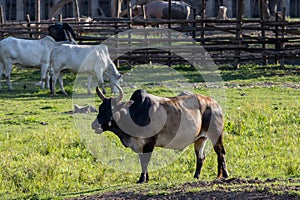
<point>144,122</point>
<point>55,53</point>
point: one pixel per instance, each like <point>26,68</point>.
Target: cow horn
<point>121,95</point>
<point>100,94</point>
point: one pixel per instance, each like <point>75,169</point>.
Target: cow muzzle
<point>97,127</point>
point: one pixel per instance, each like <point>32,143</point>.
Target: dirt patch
<point>234,188</point>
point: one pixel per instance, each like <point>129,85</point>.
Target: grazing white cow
<point>89,59</point>
<point>26,53</point>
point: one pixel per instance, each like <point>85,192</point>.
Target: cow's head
<point>105,115</point>
<point>114,115</point>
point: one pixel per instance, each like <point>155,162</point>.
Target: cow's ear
<point>129,103</point>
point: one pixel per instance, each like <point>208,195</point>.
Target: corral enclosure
<point>229,41</point>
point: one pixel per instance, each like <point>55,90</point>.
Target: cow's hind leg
<point>1,72</point>
<point>101,81</point>
<point>200,155</point>
<point>144,160</point>
<point>44,78</point>
<point>61,83</point>
<point>8,69</point>
<point>220,151</point>
<point>90,78</point>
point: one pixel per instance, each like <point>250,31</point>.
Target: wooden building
<point>252,7</point>
<point>16,10</point>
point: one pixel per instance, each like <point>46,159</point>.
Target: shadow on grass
<point>31,93</point>
<point>23,82</point>
<point>246,72</point>
<point>233,188</point>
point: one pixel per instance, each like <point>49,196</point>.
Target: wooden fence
<point>225,41</point>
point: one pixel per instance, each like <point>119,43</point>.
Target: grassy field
<point>44,154</point>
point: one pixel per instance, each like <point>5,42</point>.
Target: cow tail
<point>50,72</point>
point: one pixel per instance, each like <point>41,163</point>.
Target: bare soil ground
<point>234,188</point>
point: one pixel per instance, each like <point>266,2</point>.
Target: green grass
<point>44,155</point>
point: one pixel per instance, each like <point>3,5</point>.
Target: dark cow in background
<point>148,121</point>
<point>61,32</point>
<point>160,10</point>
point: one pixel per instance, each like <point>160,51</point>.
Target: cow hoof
<point>196,176</point>
<point>225,174</point>
<point>144,178</point>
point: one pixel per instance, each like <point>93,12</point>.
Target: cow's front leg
<point>8,69</point>
<point>8,82</point>
<point>101,81</point>
<point>44,75</point>
<point>1,72</point>
<point>48,80</point>
<point>200,155</point>
<point>90,78</point>
<point>144,160</point>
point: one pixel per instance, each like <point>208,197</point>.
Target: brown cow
<point>148,121</point>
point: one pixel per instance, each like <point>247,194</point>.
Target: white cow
<point>88,59</point>
<point>26,53</point>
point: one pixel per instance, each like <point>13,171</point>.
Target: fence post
<point>194,23</point>
<point>1,21</point>
<point>1,16</point>
<point>282,36</point>
<point>38,10</point>
<point>277,42</point>
<point>240,16</point>
<point>119,8</point>
<point>77,11</point>
<point>129,7</point>
<point>28,25</point>
<point>169,33</point>
<point>38,16</point>
<point>202,21</point>
<point>263,33</point>
<point>170,13</point>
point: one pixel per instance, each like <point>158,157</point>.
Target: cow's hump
<point>139,110</point>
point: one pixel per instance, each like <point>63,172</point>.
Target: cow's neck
<point>124,137</point>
